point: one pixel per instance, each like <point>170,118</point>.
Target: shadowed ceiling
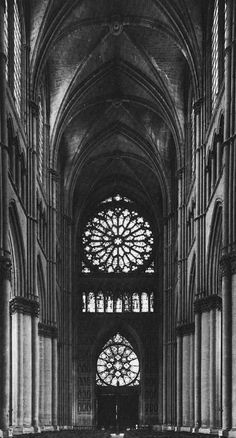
<point>117,74</point>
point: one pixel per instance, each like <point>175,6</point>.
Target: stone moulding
<point>24,305</point>
<point>185,329</point>
<point>47,330</point>
<point>210,302</point>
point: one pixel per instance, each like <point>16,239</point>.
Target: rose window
<point>117,239</point>
<point>118,364</point>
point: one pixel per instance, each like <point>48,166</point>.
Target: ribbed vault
<point>117,74</point>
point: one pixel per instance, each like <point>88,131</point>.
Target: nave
<point>118,218</point>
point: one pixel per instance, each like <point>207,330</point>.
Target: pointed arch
<point>17,252</point>
<point>41,290</point>
<point>214,251</point>
<point>192,290</point>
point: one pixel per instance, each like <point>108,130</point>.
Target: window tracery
<point>17,57</point>
<point>13,50</point>
<point>108,302</point>
<point>117,239</point>
<point>217,48</point>
<point>40,139</point>
<point>118,364</point>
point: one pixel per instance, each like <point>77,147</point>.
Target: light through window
<point>118,364</point>
<point>6,35</point>
<point>117,238</point>
<point>17,57</point>
<point>108,302</point>
<point>215,53</point>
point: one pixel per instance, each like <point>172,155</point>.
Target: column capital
<point>48,331</point>
<point>5,268</point>
<point>228,264</point>
<point>197,105</point>
<point>207,303</point>
<point>185,329</point>
<point>25,306</point>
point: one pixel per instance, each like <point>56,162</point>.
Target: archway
<point>117,384</point>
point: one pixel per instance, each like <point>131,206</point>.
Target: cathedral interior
<point>118,217</point>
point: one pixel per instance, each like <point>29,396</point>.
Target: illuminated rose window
<point>118,364</point>
<point>118,239</point>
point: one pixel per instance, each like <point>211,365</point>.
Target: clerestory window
<point>118,364</point>
<point>13,49</point>
<point>217,48</point>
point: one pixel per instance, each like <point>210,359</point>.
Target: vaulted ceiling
<point>117,73</point>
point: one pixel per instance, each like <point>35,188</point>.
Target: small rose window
<point>118,364</point>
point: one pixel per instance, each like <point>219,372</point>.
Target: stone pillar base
<point>230,433</point>
<point>56,427</point>
<point>185,429</point>
<point>19,430</point>
<point>6,433</point>
<point>204,430</point>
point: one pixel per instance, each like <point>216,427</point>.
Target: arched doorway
<point>117,384</point>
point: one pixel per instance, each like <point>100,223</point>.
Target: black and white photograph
<point>118,218</point>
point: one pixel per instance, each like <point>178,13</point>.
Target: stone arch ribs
<point>187,39</point>
<point>156,167</point>
<point>72,105</point>
<point>182,31</point>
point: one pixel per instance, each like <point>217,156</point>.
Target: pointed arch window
<point>40,138</point>
<point>118,364</point>
<point>13,49</point>
<point>6,45</point>
<point>217,48</point>
<point>17,58</point>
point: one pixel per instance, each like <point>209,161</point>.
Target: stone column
<point>179,389</point>
<point>5,263</point>
<point>24,324</point>
<point>212,372</point>
<point>54,381</point>
<point>35,372</point>
<point>210,362</point>
<point>228,219</point>
<point>165,281</point>
<point>197,371</point>
<point>32,258</point>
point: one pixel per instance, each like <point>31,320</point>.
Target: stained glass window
<point>117,238</point>
<point>118,364</point>
<point>6,46</point>
<point>106,302</point>
<point>17,57</point>
<point>215,53</point>
<point>40,140</point>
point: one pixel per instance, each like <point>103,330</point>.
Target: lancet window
<point>108,302</point>
<point>13,49</point>
<point>217,48</point>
